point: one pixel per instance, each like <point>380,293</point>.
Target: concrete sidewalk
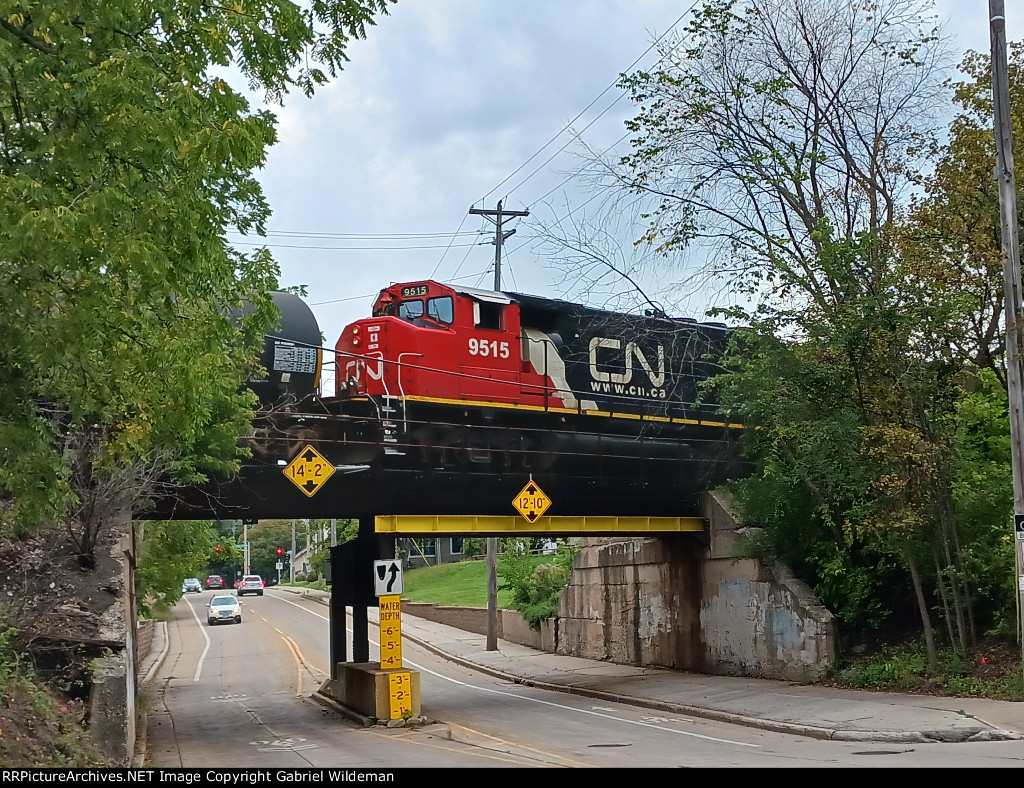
<point>807,710</point>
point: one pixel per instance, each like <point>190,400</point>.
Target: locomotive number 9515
<point>483,347</point>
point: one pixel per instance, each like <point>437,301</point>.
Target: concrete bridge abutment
<point>696,604</point>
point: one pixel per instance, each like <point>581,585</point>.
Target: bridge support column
<point>357,684</point>
<point>352,585</point>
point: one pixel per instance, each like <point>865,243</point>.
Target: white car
<point>223,607</point>
<point>250,584</point>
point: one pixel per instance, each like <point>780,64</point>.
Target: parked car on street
<point>215,581</point>
<point>250,584</point>
<point>191,586</point>
<point>223,607</point>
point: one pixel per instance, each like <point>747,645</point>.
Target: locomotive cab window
<point>410,310</point>
<point>487,315</point>
<point>441,309</point>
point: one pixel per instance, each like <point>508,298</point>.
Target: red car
<point>215,581</point>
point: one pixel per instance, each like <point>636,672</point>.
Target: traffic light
<point>280,551</point>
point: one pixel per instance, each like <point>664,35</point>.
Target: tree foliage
<point>124,160</point>
<point>170,551</point>
<point>786,135</point>
<point>765,119</point>
<point>534,588</point>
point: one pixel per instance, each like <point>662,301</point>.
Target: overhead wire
<point>347,236</point>
<point>578,134</point>
<point>452,236</point>
<point>582,112</point>
<point>356,248</point>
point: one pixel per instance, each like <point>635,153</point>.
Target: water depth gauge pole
<point>1011,283</point>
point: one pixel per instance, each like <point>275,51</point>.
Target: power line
<point>357,248</point>
<point>371,295</point>
<point>362,236</point>
<point>445,253</point>
<point>583,111</point>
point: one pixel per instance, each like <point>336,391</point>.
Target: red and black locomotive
<point>462,378</point>
<point>448,400</point>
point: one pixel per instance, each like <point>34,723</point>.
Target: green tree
<point>862,428</point>
<point>534,588</point>
<point>347,530</point>
<point>765,119</point>
<point>787,135</point>
<point>124,160</point>
<point>264,539</point>
<point>170,551</point>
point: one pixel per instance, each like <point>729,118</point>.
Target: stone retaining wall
<point>511,624</point>
<point>694,604</point>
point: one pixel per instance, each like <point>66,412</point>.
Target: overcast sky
<point>439,106</point>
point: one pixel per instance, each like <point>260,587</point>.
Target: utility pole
<point>1011,283</point>
<point>497,217</point>
<point>500,236</point>
<point>291,558</point>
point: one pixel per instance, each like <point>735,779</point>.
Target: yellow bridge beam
<point>514,526</point>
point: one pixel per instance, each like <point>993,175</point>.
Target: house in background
<point>419,552</point>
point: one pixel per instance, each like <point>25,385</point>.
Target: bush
<point>473,546</point>
<point>535,589</point>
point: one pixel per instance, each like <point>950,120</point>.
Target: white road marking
<point>538,700</point>
<point>199,667</point>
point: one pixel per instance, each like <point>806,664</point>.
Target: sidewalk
<point>819,712</point>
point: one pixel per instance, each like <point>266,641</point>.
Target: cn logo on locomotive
<point>632,351</point>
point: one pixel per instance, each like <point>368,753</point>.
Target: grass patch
<point>459,585</point>
<point>462,584</point>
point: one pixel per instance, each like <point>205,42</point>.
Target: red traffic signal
<point>280,551</point>
<point>216,549</point>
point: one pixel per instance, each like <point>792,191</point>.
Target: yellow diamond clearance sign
<point>532,502</point>
<point>309,471</point>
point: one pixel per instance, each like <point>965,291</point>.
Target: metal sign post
<point>387,585</point>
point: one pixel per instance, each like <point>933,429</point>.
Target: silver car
<point>223,607</point>
<point>250,584</point>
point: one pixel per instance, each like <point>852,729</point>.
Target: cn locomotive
<point>450,377</point>
<point>447,400</point>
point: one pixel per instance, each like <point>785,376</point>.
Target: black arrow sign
<point>309,456</point>
<point>531,490</point>
<point>382,570</point>
<point>310,486</point>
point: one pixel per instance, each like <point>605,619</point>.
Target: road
<point>240,696</point>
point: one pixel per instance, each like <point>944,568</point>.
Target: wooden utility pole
<point>497,216</point>
<point>1011,283</point>
<point>500,236</point>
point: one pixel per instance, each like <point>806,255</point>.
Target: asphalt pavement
<point>807,710</point>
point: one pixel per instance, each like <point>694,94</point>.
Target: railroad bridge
<point>662,579</point>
